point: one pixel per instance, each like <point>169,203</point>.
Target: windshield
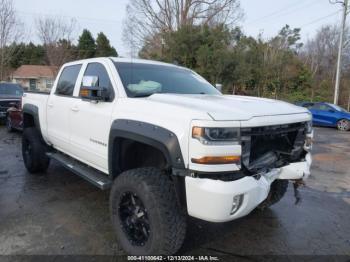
<point>10,90</point>
<point>142,80</point>
<point>338,108</point>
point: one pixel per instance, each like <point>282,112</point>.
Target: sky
<point>261,16</point>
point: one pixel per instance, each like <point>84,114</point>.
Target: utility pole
<point>340,52</point>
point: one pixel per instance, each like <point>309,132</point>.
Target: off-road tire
<point>343,125</point>
<point>277,190</point>
<point>34,151</point>
<point>9,127</point>
<point>167,221</point>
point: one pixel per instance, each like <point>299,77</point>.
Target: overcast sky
<point>266,16</point>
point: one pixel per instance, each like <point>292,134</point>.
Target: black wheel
<point>145,213</point>
<point>9,124</point>
<point>343,125</point>
<point>34,151</point>
<point>277,191</point>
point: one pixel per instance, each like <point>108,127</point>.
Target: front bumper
<point>212,200</point>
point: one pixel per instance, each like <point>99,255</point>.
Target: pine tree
<point>86,45</point>
<point>103,46</point>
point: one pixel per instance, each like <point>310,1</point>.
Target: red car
<point>14,119</point>
<point>10,105</point>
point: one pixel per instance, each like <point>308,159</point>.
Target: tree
<point>26,54</point>
<point>103,46</point>
<point>86,45</point>
<point>320,55</point>
<point>147,18</point>
<point>9,33</point>
<point>244,65</point>
<point>56,34</point>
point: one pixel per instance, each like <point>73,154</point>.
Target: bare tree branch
<point>56,34</point>
<point>146,18</point>
<point>10,31</point>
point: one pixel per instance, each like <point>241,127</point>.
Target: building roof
<point>35,71</point>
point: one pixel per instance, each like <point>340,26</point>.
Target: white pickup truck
<point>167,143</point>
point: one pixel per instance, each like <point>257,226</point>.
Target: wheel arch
<point>31,117</point>
<point>153,136</point>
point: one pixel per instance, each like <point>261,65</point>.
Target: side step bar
<point>95,177</point>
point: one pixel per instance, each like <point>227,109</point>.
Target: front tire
<point>34,151</point>
<point>277,190</point>
<point>145,213</point>
<point>9,127</point>
<point>343,125</point>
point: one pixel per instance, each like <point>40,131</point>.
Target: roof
<point>141,61</point>
<point>122,60</point>
<point>35,71</point>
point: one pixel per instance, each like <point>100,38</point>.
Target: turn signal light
<point>197,132</point>
<point>216,160</point>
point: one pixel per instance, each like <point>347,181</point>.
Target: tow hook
<point>296,184</point>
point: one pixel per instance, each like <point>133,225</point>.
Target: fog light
<point>236,203</point>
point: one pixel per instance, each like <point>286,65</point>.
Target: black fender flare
<point>32,110</point>
<point>152,135</point>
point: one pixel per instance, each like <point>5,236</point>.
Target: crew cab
<point>167,143</point>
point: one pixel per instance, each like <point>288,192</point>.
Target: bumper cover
<point>212,200</point>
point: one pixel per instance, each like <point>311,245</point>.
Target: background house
<point>35,77</point>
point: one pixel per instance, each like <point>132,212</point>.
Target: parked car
<point>167,143</point>
<point>14,117</point>
<point>326,114</point>
<point>10,94</point>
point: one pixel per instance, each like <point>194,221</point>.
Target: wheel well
<point>131,154</point>
<point>28,120</point>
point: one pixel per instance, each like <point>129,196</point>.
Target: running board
<point>95,177</point>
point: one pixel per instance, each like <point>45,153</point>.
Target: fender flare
<point>152,135</point>
<point>32,110</point>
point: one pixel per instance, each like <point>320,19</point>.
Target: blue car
<point>325,114</point>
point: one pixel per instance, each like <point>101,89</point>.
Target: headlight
<point>216,135</point>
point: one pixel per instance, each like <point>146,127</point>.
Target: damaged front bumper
<point>215,200</point>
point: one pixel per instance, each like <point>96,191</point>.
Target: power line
<point>319,19</point>
<point>281,12</point>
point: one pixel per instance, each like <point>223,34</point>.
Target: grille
<point>272,146</point>
<point>4,105</point>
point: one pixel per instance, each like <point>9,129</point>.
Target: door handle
<point>50,104</point>
<point>75,109</point>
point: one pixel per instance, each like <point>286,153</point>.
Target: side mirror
<point>218,87</point>
<point>91,91</point>
<point>331,110</point>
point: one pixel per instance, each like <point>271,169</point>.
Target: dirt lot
<point>61,214</point>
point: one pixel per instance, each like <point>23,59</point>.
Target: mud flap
<point>297,195</point>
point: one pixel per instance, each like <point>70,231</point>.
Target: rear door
<point>91,121</point>
<point>59,106</point>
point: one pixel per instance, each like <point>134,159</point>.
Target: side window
<point>322,107</point>
<point>97,69</point>
<point>66,83</point>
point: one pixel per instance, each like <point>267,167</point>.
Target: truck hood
<point>230,107</point>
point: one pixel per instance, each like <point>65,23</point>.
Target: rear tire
<point>34,151</point>
<point>277,190</point>
<point>343,125</point>
<point>9,127</point>
<point>145,213</point>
